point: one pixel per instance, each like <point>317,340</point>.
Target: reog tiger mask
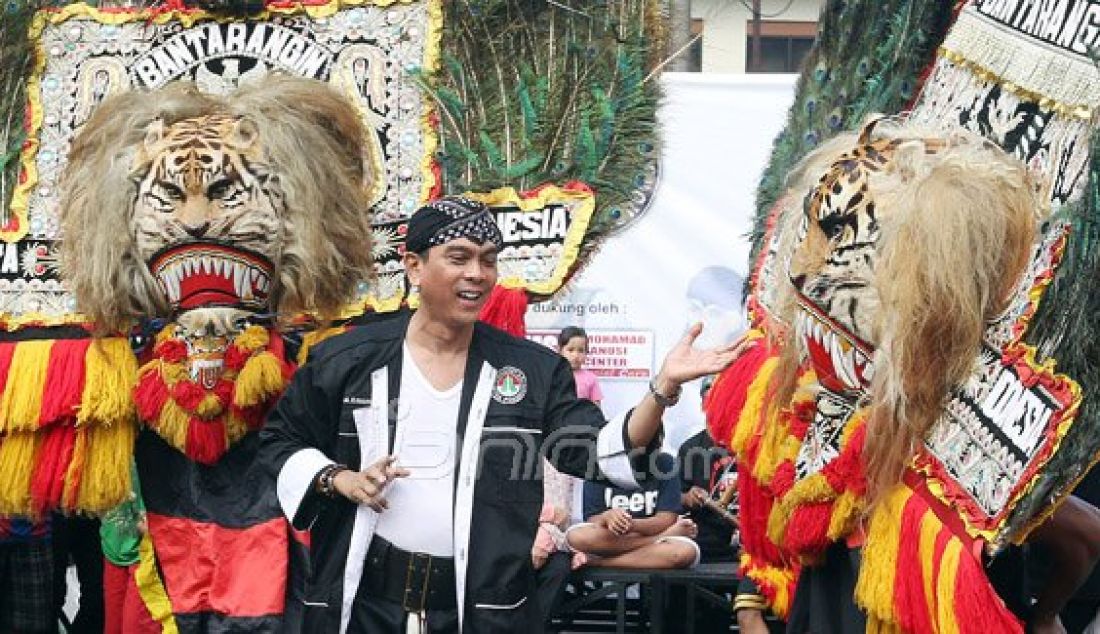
<point>265,189</point>
<point>906,245</point>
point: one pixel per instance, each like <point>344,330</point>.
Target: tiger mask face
<point>208,214</point>
<point>205,179</point>
<point>833,265</point>
<point>174,200</point>
<point>908,243</point>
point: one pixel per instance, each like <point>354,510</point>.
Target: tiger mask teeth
<point>841,359</point>
<point>201,274</point>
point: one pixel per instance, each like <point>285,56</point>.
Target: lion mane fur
<point>313,141</point>
<point>957,226</point>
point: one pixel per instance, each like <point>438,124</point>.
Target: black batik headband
<point>451,218</point>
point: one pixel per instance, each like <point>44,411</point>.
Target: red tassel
<point>800,418</point>
<point>506,309</point>
<point>188,394</point>
<point>808,528</point>
<point>235,358</point>
<point>755,507</point>
<point>978,608</point>
<point>846,471</point>
<point>276,347</point>
<point>910,602</point>
<point>253,417</point>
<point>7,351</point>
<point>727,396</point>
<point>205,440</point>
<point>224,391</point>
<point>64,381</point>
<point>783,480</point>
<point>150,394</point>
<point>55,454</point>
<point>171,351</point>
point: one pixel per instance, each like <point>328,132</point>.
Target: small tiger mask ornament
<point>175,200</point>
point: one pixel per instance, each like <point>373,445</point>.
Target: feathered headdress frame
<point>531,92</point>
<point>312,140</point>
<point>880,67</point>
<point>1066,329</point>
<point>870,62</point>
<point>18,57</point>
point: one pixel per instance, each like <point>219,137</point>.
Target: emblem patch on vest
<point>510,386</point>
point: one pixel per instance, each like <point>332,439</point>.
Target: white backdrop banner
<point>685,259</point>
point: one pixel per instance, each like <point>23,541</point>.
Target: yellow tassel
<point>235,429</point>
<point>778,518</point>
<point>777,578</point>
<point>776,431</point>
<point>946,621</point>
<point>105,482</point>
<point>878,568</point>
<point>260,379</point>
<point>166,333</point>
<point>755,400</point>
<point>172,373</point>
<point>930,527</point>
<point>209,407</point>
<point>858,419</point>
<point>875,626</point>
<point>253,338</point>
<point>111,375</point>
<point>846,513</point>
<point>313,338</point>
<point>809,490</point>
<point>772,431</point>
<point>172,424</point>
<point>22,400</point>
<point>776,442</point>
<point>17,459</point>
<point>75,470</point>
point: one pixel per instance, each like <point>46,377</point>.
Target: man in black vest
<point>411,448</point>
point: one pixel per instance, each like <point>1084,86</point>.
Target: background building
<point>723,30</point>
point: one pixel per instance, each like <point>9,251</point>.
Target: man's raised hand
<point>685,363</point>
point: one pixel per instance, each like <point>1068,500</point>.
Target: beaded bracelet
<point>326,480</point>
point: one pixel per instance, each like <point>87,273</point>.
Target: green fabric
<point>118,532</point>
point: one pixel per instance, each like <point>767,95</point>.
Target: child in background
<point>573,345</point>
<point>550,554</point>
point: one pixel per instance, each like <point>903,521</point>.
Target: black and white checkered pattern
<point>451,218</point>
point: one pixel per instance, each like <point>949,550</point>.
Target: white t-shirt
<point>419,517</point>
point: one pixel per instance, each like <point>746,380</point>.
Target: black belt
<point>416,581</point>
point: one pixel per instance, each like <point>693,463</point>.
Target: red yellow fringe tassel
<point>67,424</point>
<point>918,575</point>
<point>823,507</point>
<point>738,416</point>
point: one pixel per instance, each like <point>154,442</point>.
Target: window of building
<point>783,46</point>
<point>695,51</point>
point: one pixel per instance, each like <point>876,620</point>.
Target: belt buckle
<point>409,601</point>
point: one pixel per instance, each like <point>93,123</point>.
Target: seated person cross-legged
<point>636,529</point>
